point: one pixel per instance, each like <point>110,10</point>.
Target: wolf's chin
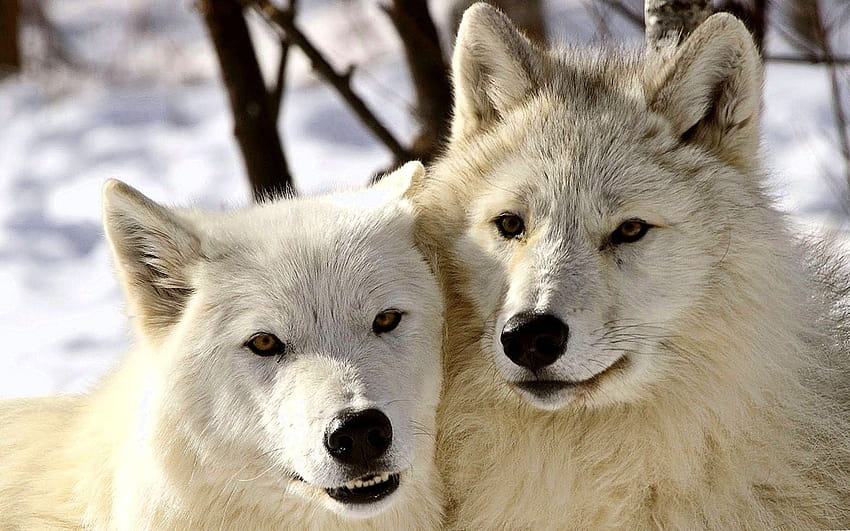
<point>551,395</point>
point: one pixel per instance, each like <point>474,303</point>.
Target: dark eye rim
<point>279,350</point>
<point>505,234</point>
<point>617,238</point>
<point>378,330</point>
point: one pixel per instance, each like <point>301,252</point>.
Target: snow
<point>148,108</point>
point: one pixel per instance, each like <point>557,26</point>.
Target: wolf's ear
<point>494,67</point>
<point>710,90</point>
<point>400,180</point>
<point>153,250</point>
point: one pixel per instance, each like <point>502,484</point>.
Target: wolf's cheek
<point>484,269</point>
<point>659,279</point>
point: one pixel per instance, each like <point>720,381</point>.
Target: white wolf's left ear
<point>494,67</point>
<point>153,250</point>
<point>710,90</point>
<point>400,180</point>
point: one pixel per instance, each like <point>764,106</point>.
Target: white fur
<point>716,346</point>
<point>194,431</point>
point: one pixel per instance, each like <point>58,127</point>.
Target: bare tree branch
<point>283,22</point>
<point>428,69</point>
<point>254,126</point>
<point>673,20</point>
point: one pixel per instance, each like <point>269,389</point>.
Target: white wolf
<point>287,376</point>
<point>635,339</point>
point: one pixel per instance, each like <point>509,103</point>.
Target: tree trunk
<point>429,72</point>
<point>673,20</point>
<point>254,125</point>
<point>10,52</point>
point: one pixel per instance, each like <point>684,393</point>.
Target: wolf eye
<point>629,231</point>
<point>510,225</point>
<point>386,321</point>
<point>263,344</point>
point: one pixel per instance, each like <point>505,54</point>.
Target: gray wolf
<point>286,375</point>
<point>636,337</point>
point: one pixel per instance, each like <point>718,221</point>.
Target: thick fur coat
<point>194,430</point>
<point>705,381</point>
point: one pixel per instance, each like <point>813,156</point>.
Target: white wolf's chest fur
<point>705,458</point>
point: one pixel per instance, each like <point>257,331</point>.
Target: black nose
<point>534,340</point>
<point>359,437</point>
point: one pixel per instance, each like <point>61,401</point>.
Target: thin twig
<point>284,23</point>
<point>277,91</point>
<point>809,59</point>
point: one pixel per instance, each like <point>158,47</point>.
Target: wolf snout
<point>359,437</point>
<point>534,340</point>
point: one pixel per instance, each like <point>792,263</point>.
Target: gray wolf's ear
<point>710,90</point>
<point>493,67</point>
<point>153,250</point>
<point>400,180</point>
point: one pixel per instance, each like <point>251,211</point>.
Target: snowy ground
<point>148,109</point>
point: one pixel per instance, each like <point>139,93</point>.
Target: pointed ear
<point>494,67</point>
<point>153,250</point>
<point>400,180</point>
<point>710,90</point>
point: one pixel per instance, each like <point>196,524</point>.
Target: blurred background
<point>320,94</point>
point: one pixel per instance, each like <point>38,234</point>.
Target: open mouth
<point>367,489</point>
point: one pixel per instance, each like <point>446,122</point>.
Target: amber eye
<point>629,231</point>
<point>386,321</point>
<point>510,225</point>
<point>264,344</point>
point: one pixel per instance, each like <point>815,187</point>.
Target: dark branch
<point>428,69</point>
<point>284,23</point>
<point>254,125</point>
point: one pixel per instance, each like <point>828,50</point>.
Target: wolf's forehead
<point>590,168</point>
<point>326,259</point>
